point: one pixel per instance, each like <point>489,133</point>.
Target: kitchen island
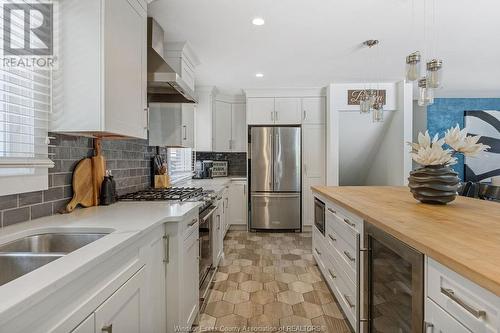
<point>459,244</point>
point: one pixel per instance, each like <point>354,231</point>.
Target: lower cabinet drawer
<point>474,307</point>
<point>344,252</point>
<point>438,321</point>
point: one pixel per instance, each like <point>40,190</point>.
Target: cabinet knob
<point>107,329</point>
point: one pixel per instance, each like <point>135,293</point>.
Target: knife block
<point>162,181</point>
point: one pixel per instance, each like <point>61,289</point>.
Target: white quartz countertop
<point>125,221</point>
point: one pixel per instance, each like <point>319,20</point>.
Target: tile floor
<point>268,282</point>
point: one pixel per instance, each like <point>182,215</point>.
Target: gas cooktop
<point>173,193</point>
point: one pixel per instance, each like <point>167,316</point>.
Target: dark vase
<point>434,184</point>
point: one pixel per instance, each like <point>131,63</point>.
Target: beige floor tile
<point>225,285</point>
<point>238,277</point>
<point>263,277</point>
<point>291,257</point>
<point>219,309</point>
<point>290,297</point>
<point>276,286</point>
<point>278,310</point>
<point>332,310</point>
<point>251,269</point>
<point>251,286</point>
<point>321,286</point>
<point>219,276</point>
<point>309,278</point>
<point>236,296</point>
<point>301,287</point>
<point>295,324</point>
<point>248,309</point>
<point>307,310</point>
<point>230,269</point>
<point>262,297</point>
<point>207,321</point>
<point>231,321</point>
<point>242,262</point>
<point>263,321</point>
<point>215,295</point>
<point>292,269</point>
<point>272,269</point>
<point>286,277</point>
<point>331,325</point>
<point>318,297</point>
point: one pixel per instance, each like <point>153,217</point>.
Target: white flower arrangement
<point>431,152</point>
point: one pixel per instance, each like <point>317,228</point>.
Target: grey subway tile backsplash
<point>237,162</point>
<point>129,161</point>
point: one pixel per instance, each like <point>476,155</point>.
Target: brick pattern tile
<point>267,282</point>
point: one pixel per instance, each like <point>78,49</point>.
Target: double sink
<point>26,254</point>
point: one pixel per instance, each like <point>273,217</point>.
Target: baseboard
<point>307,228</point>
<point>238,227</point>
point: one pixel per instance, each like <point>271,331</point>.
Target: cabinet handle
<point>332,274</point>
<point>349,223</point>
<point>245,189</point>
<point>193,222</point>
<point>230,146</point>
<point>332,211</point>
<point>166,240</point>
<point>427,326</point>
<point>332,238</point>
<point>272,115</point>
<point>317,251</point>
<point>349,256</point>
<point>305,169</point>
<point>185,132</point>
<point>305,114</point>
<point>349,302</point>
<point>107,329</point>
<point>451,294</point>
<point>147,119</point>
<point>277,115</point>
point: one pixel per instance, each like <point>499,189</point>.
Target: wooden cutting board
<point>83,187</point>
<point>98,171</point>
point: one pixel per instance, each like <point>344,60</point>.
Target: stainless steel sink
<point>14,265</point>
<point>51,243</point>
<point>26,254</point>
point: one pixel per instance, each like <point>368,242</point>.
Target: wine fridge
<point>393,284</point>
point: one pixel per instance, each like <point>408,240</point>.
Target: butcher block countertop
<point>463,235</point>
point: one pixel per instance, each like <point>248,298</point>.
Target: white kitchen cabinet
<point>237,203</point>
<point>102,92</point>
<point>225,198</point>
<point>222,127</point>
<point>314,150</point>
<point>287,111</point>
<point>229,127</point>
<point>87,326</point>
<point>171,124</point>
<point>218,232</point>
<point>314,110</point>
<point>260,111</point>
<point>308,199</point>
<point>122,312</point>
<point>204,115</point>
<point>239,128</point>
<point>189,302</point>
<point>438,321</point>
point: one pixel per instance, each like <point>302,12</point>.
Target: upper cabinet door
<point>222,127</point>
<point>260,111</point>
<point>124,69</point>
<point>314,143</point>
<point>188,125</point>
<point>239,128</point>
<point>122,311</point>
<point>287,111</point>
<point>314,110</point>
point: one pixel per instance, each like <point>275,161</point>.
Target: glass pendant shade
<point>364,102</point>
<point>413,66</point>
<point>434,73</point>
<point>378,112</point>
<point>426,94</point>
<point>372,96</point>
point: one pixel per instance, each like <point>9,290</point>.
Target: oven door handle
<point>209,214</point>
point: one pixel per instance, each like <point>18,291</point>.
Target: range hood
<point>164,84</point>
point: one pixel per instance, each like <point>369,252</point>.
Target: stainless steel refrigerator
<point>275,178</point>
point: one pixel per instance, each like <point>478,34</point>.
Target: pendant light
<point>368,96</point>
<point>364,102</point>
<point>434,73</point>
<point>378,112</point>
<point>426,94</point>
<point>413,66</point>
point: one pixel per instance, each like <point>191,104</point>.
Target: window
<point>25,104</point>
<point>180,163</point>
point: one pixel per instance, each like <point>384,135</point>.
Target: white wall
<point>361,152</point>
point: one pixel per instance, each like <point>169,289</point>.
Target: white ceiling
<point>307,43</point>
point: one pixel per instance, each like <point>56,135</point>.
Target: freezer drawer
<point>275,211</point>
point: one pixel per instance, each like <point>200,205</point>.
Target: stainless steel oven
<point>319,215</point>
<point>207,225</point>
<point>393,284</point>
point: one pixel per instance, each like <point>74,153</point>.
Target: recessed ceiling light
<point>259,75</point>
<point>258,21</point>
